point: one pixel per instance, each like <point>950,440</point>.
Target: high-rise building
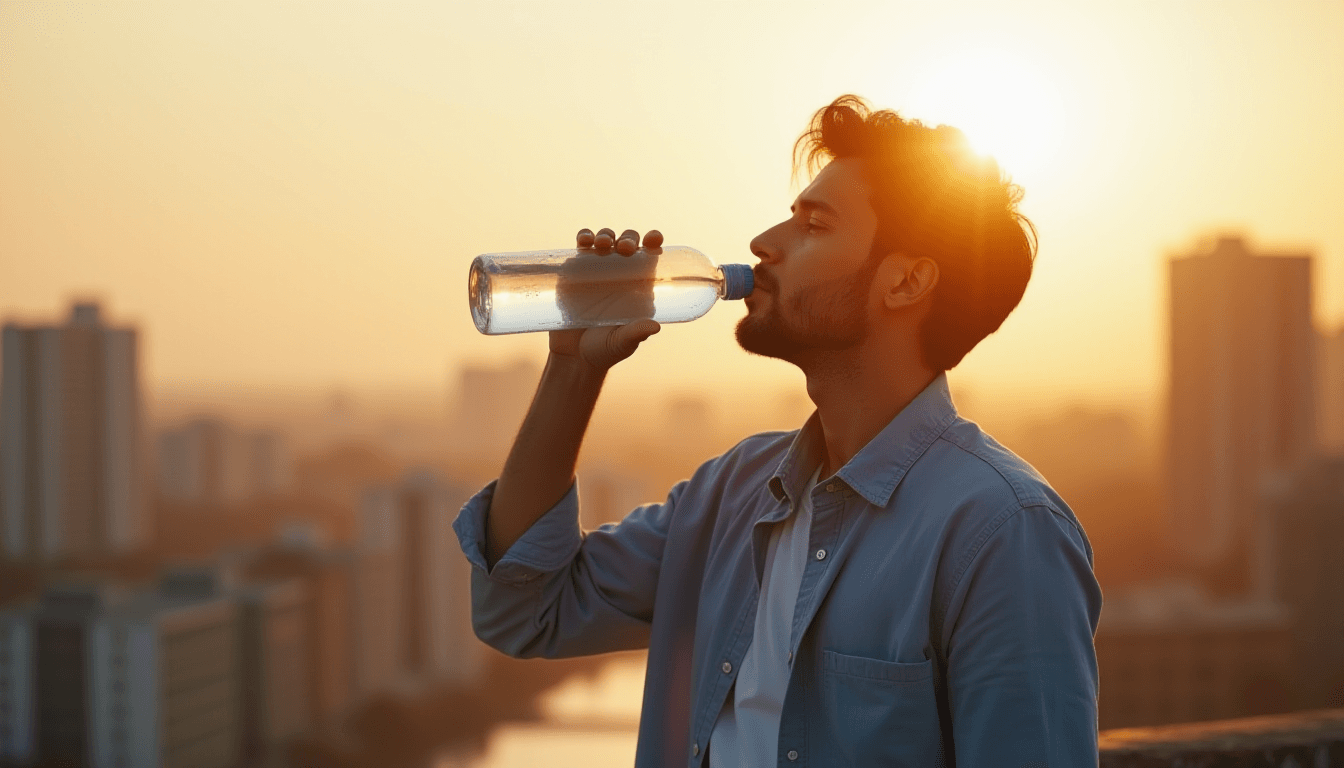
<point>46,677</point>
<point>378,589</point>
<point>273,642</point>
<point>1330,391</point>
<point>16,685</point>
<point>209,462</point>
<point>438,643</point>
<point>70,472</point>
<point>1241,399</point>
<point>165,679</point>
<point>1307,507</point>
<point>327,578</point>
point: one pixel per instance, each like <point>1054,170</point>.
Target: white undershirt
<point>746,735</point>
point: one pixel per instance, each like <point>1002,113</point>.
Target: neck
<point>859,391</point>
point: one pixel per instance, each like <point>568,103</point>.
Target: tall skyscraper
<point>70,472</point>
<point>1241,399</point>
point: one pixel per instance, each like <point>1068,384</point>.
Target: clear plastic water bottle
<point>583,288</point>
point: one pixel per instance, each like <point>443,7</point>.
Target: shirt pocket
<point>881,712</point>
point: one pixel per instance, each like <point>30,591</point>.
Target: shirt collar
<point>876,470</point>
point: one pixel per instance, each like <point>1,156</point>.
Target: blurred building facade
<point>16,684</point>
<point>165,673</point>
<point>490,404</point>
<point>210,462</point>
<point>1167,654</point>
<point>412,519</point>
<point>1330,391</point>
<point>377,591</point>
<point>70,434</point>
<point>272,647</point>
<point>1241,399</point>
<point>1307,506</point>
<point>328,617</point>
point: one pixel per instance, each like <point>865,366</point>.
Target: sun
<point>1007,108</point>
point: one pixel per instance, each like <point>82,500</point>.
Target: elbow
<point>514,636</point>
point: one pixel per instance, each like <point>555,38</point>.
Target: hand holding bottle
<point>604,346</point>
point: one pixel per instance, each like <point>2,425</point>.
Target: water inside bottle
<point>528,293</point>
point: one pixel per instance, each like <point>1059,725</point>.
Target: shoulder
<point>1003,521</point>
<point>971,489</point>
<point>980,473</point>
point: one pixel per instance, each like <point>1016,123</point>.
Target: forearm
<point>540,467</point>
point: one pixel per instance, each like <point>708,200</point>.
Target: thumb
<point>626,339</point>
<point>606,346</point>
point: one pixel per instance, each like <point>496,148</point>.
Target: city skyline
<point>299,210</point>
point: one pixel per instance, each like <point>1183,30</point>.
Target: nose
<point>765,245</point>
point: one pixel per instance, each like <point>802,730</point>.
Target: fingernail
<point>585,238</point>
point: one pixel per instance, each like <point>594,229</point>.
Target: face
<point>813,281</point>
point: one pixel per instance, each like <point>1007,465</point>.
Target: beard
<point>828,316</point>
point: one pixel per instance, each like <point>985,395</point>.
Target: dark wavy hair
<point>934,197</point>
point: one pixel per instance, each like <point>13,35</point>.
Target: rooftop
<point>1311,739</point>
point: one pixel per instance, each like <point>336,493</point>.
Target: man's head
<point>905,226</point>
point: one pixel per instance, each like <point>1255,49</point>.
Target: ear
<point>908,281</point>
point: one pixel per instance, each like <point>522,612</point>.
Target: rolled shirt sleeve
<point>1021,670</point>
<point>557,592</point>
<point>543,548</point>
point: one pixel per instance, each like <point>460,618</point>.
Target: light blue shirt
<point>746,734</point>
<point>945,617</point>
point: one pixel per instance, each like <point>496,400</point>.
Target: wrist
<point>573,370</point>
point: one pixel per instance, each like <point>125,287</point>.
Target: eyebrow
<point>813,205</point>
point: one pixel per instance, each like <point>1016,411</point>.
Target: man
<point>886,586</point>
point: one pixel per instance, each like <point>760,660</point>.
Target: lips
<point>763,281</point>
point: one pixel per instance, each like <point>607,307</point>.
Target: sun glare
<point>1006,108</point>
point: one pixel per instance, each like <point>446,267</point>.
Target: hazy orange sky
<point>290,195</point>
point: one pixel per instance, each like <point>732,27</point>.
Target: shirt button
<point>821,554</point>
<point>695,749</point>
<point>830,487</point>
<point>727,668</point>
<point>793,755</point>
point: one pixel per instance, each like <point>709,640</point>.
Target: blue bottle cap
<point>738,281</point>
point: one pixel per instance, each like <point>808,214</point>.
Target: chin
<point>763,336</point>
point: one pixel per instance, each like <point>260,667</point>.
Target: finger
<point>585,238</point>
<point>653,239</point>
<point>628,242</point>
<point>605,239</point>
<point>626,339</point>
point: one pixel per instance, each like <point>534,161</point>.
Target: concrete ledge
<point>1313,739</point>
